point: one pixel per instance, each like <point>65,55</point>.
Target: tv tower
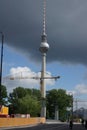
<point>44,46</point>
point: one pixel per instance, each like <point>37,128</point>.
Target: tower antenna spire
<point>44,36</point>
<point>44,45</point>
<point>44,17</point>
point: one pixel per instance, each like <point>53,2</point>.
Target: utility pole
<point>2,37</point>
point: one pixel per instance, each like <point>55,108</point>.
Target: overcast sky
<point>66,27</point>
<point>66,23</point>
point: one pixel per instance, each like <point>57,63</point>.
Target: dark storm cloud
<point>66,22</point>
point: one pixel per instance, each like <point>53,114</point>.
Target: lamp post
<point>71,94</point>
<point>72,107</point>
<point>2,35</point>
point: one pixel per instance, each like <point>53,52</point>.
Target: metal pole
<point>72,106</point>
<point>1,64</point>
<point>56,112</point>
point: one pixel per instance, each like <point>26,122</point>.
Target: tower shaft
<point>43,49</point>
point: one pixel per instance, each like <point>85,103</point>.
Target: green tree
<point>3,95</point>
<point>36,93</point>
<point>19,92</point>
<point>14,97</point>
<point>29,105</point>
<point>22,99</point>
<point>57,98</point>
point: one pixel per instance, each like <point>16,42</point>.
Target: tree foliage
<point>28,101</point>
<point>57,98</point>
<point>3,95</point>
<point>25,101</point>
<point>29,105</point>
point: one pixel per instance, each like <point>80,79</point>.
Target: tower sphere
<point>44,46</point>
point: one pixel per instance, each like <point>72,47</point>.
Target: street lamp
<point>2,35</point>
<point>71,94</point>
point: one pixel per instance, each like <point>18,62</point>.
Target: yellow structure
<point>4,110</point>
<point>12,122</point>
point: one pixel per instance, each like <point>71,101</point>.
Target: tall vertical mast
<point>44,17</point>
<point>44,46</point>
<point>44,36</point>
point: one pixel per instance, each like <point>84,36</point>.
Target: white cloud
<point>79,96</point>
<point>70,92</point>
<point>82,103</point>
<point>24,77</point>
<point>81,88</point>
